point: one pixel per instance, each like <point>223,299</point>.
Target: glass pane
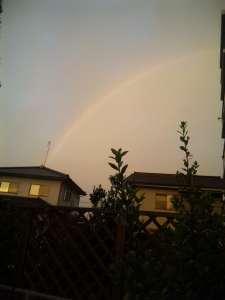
<point>34,189</point>
<point>4,186</point>
<point>69,196</point>
<point>44,190</point>
<point>160,204</point>
<point>13,188</point>
<point>65,195</point>
<point>160,201</point>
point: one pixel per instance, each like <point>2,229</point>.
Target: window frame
<point>167,195</point>
<point>41,195</point>
<point>9,187</point>
<point>66,196</point>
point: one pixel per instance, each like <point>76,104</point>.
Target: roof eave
<point>174,186</point>
<point>31,176</point>
<point>75,186</point>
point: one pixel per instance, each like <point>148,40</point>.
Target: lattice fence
<point>66,252</point>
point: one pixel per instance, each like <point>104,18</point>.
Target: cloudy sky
<point>93,75</point>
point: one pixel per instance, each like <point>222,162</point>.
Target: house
<point>160,188</point>
<point>39,184</point>
<point>222,81</point>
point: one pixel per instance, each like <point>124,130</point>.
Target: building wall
<point>25,184</point>
<point>74,199</point>
<point>148,204</point>
<point>150,195</point>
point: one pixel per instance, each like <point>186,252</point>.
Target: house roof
<point>40,172</point>
<point>160,179</point>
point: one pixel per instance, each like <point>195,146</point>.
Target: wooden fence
<point>66,252</point>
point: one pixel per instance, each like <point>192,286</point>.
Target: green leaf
<point>123,153</point>
<point>142,197</point>
<point>163,292</point>
<point>189,284</point>
<point>111,267</point>
<point>120,164</point>
<point>126,296</point>
<point>145,265</point>
<point>185,240</point>
<point>135,234</point>
<point>190,262</point>
<point>124,169</point>
<point>140,285</point>
<point>133,253</point>
<point>206,268</point>
<point>113,166</point>
<point>125,223</point>
<point>114,151</point>
<point>119,177</point>
<point>118,158</point>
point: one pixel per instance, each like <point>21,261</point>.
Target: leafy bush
<point>190,263</point>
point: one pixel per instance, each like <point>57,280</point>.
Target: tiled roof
<point>40,172</point>
<point>160,179</point>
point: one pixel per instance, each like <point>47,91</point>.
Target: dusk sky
<point>90,75</point>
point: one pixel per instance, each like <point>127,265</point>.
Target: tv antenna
<point>47,151</point>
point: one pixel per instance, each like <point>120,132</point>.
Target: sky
<point>89,76</point>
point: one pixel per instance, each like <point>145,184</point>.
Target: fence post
<point>121,235</point>
<point>23,246</point>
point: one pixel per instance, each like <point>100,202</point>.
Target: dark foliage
<point>7,229</point>
<point>190,263</point>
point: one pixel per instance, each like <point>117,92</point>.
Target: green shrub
<point>190,263</point>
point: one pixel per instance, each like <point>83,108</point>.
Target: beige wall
<point>24,187</point>
<point>148,204</point>
<point>150,194</point>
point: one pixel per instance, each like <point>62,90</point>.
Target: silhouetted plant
<point>190,263</point>
<point>6,235</point>
<point>121,195</point>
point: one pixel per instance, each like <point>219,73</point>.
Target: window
<point>163,201</point>
<point>67,196</point>
<point>9,187</point>
<point>39,190</point>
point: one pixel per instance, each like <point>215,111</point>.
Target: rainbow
<point>78,122</point>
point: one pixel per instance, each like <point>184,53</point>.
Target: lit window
<point>39,190</point>
<point>34,189</point>
<point>13,187</point>
<point>43,190</point>
<point>163,201</point>
<point>67,196</point>
<point>9,187</point>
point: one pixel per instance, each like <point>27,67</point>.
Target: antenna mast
<point>47,151</point>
